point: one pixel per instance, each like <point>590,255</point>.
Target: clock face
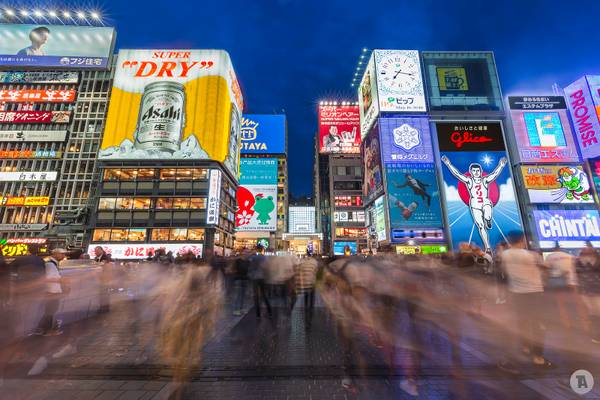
<point>400,73</point>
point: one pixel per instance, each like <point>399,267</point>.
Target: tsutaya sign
<point>585,116</point>
<point>567,225</point>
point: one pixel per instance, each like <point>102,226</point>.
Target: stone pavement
<point>250,358</point>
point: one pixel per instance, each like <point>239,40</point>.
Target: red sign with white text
<point>339,129</point>
<point>37,96</point>
<point>470,136</point>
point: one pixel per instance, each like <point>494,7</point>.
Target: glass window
<point>118,235</point>
<point>341,170</point>
<point>164,203</point>
<point>195,234</point>
<point>181,203</point>
<point>178,234</point>
<point>136,235</point>
<point>200,173</point>
<point>128,174</point>
<point>160,234</point>
<point>184,174</point>
<point>198,202</point>
<point>141,203</point>
<point>106,203</point>
<point>101,235</point>
<point>124,203</point>
<point>168,174</point>
<point>145,174</point>
<point>112,174</point>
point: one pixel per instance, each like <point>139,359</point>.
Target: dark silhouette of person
<point>417,186</point>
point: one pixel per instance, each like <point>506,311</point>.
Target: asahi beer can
<point>161,118</point>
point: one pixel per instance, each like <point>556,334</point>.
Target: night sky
<point>289,54</point>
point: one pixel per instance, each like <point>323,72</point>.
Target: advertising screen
<point>380,226</point>
<point>567,225</point>
<point>368,103</point>
<point>33,136</point>
<point>413,195</point>
<point>65,46</point>
<point>339,129</point>
<point>132,251</point>
<point>27,201</point>
<point>263,134</point>
<point>585,117</point>
<point>344,248</point>
<point>35,117</point>
<point>20,249</point>
<point>16,154</point>
<point>37,95</point>
<point>37,176</point>
<point>594,84</point>
<point>424,249</point>
<point>174,104</point>
<point>595,169</point>
<point>478,187</point>
<point>406,140</point>
<point>257,195</point>
<point>399,81</point>
<point>557,184</point>
<point>542,130</point>
<point>462,81</point>
<point>373,185</point>
<point>38,77</point>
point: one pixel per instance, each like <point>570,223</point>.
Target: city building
<point>263,173</point>
<point>302,237</point>
<point>338,177</point>
<point>52,113</point>
<point>169,156</point>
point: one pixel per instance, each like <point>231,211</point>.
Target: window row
<point>130,174</point>
<point>146,203</point>
<point>139,235</point>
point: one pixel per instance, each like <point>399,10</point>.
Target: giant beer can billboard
<point>174,105</point>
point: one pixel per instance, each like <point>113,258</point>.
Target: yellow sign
<point>174,104</point>
<point>452,78</point>
<point>19,249</point>
<point>29,201</point>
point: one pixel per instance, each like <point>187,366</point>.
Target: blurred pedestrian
<point>48,325</point>
<point>588,256</point>
<point>305,276</point>
<point>256,274</point>
<point>241,267</point>
<point>526,288</point>
<point>106,276</point>
<point>589,280</point>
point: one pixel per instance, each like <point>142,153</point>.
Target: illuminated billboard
<point>263,134</point>
<point>27,201</point>
<point>67,46</point>
<point>380,226</point>
<point>37,176</point>
<point>339,129</point>
<point>405,140</point>
<point>35,117</point>
<point>584,116</point>
<point>214,197</point>
<point>257,195</point>
<point>344,248</point>
<point>567,225</point>
<point>459,81</point>
<point>39,77</point>
<point>174,105</point>
<point>33,136</point>
<point>16,154</point>
<point>368,103</point>
<point>478,187</point>
<point>399,81</point>
<point>557,184</point>
<point>373,174</point>
<point>37,95</point>
<point>542,130</point>
<point>132,251</point>
<point>413,195</point>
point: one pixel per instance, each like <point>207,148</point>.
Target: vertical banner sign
<point>368,103</point>
<point>257,195</point>
<point>373,185</point>
<point>595,169</point>
<point>557,184</point>
<point>399,81</point>
<point>339,129</point>
<point>585,117</point>
<point>380,226</point>
<point>542,130</point>
<point>214,197</point>
<point>480,197</point>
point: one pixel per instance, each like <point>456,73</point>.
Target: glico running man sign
<point>478,187</point>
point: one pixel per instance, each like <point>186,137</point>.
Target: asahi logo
<point>171,113</point>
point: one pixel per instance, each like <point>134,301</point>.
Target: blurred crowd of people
<point>391,300</point>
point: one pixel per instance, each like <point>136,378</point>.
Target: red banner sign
<point>339,129</point>
<point>38,96</point>
<point>35,117</point>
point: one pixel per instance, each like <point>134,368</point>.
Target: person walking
<point>305,277</point>
<point>240,278</point>
<point>526,290</point>
<point>48,325</point>
<point>256,274</point>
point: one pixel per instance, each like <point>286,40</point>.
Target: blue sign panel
<point>258,171</point>
<point>263,134</point>
<point>341,248</point>
<point>567,225</point>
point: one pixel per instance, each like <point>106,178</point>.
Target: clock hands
<point>403,73</point>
